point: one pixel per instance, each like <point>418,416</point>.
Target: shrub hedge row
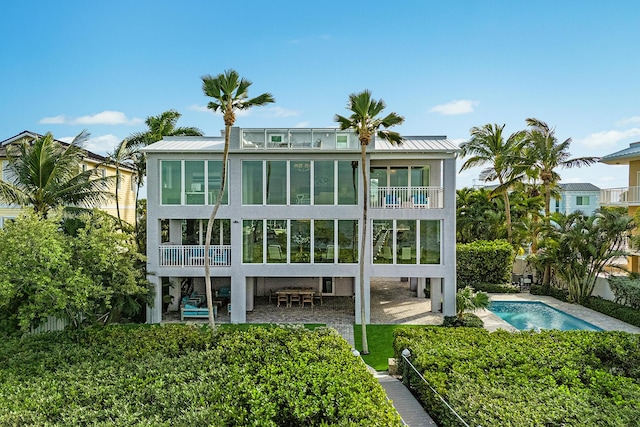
<point>484,262</point>
<point>610,308</point>
<point>176,375</point>
<point>551,378</point>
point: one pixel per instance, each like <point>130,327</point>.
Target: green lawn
<point>380,339</point>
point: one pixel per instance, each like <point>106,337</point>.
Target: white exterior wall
<point>247,279</point>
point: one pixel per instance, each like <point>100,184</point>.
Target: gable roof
<point>623,157</point>
<point>25,134</point>
<point>578,186</point>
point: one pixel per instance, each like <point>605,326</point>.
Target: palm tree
<point>46,174</point>
<point>231,94</point>
<point>164,124</point>
<point>545,155</point>
<point>364,121</point>
<point>487,145</point>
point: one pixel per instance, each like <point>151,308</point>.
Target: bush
<point>626,290</point>
<point>549,378</point>
<point>552,291</point>
<point>484,262</point>
<point>181,375</point>
<point>468,320</point>
<point>497,288</point>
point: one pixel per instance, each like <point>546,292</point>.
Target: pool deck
<point>493,322</point>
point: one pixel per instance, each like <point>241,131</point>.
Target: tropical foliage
<point>95,275</point>
<point>577,248</point>
<point>177,375</point>
<point>549,378</point>
<point>230,93</point>
<point>46,174</point>
<point>366,122</point>
<point>484,262</point>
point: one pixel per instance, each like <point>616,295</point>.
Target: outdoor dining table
<point>295,291</point>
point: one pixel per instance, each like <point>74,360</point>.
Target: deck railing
<point>408,198</point>
<point>193,255</point>
<point>623,196</point>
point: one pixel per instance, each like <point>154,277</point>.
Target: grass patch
<point>380,339</point>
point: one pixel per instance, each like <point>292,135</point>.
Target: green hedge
<point>551,378</point>
<point>610,308</point>
<point>176,375</point>
<point>484,262</point>
<point>505,288</point>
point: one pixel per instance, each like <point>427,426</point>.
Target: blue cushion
<point>190,306</point>
<point>392,200</point>
<point>420,199</point>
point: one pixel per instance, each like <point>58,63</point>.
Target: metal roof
<point>418,143</point>
<point>578,186</point>
<point>187,143</point>
<point>623,156</point>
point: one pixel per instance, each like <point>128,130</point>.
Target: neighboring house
<point>583,197</point>
<point>292,212</point>
<point>126,190</point>
<point>629,196</point>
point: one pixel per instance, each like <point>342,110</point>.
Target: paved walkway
<point>412,412</point>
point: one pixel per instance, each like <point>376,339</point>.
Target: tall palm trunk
<point>363,240</point>
<point>207,244</point>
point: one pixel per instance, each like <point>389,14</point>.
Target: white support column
<point>154,313</point>
<point>175,231</point>
<point>250,293</point>
<point>422,283</point>
<point>436,295</point>
<point>175,292</point>
<point>238,298</point>
<point>449,237</point>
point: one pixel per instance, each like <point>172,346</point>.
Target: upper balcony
<point>298,139</point>
<point>623,196</point>
<point>407,198</point>
<point>193,256</point>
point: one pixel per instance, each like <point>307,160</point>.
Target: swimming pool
<point>525,315</point>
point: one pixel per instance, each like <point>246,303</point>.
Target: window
<point>171,175</point>
<point>406,241</point>
<point>252,182</point>
<point>323,245</point>
<point>300,241</point>
<point>383,242</point>
<point>429,242</point>
<point>323,186</point>
<point>300,181</point>
<point>194,182</point>
<point>582,200</point>
<point>252,251</point>
<point>276,182</point>
<point>342,140</point>
<point>277,241</point>
<point>348,241</point>
<point>347,182</point>
<point>214,178</point>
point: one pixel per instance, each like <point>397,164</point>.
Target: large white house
<point>292,214</point>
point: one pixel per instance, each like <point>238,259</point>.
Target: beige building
<point>126,189</point>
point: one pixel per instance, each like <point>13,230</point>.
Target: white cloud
<point>608,138</point>
<point>302,125</point>
<point>279,112</point>
<point>453,108</point>
<point>201,108</point>
<point>458,141</point>
<point>56,120</point>
<point>628,121</point>
<point>102,144</point>
<point>104,118</point>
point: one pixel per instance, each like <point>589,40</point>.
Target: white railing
<point>408,198</point>
<point>193,255</point>
<point>623,196</point>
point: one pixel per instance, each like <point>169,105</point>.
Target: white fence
<point>193,255</point>
<point>407,197</point>
<point>623,196</point>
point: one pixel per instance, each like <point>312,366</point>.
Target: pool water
<point>525,315</point>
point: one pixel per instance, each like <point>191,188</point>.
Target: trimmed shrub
<point>550,378</point>
<point>496,288</point>
<point>177,375</point>
<point>484,262</point>
<point>468,320</point>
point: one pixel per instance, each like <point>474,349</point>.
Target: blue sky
<point>446,66</point>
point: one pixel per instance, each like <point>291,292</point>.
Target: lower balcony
<point>407,198</point>
<point>623,196</point>
<point>193,255</point>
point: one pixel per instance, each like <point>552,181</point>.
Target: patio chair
<point>307,298</point>
<point>294,297</point>
<point>391,201</point>
<point>405,254</point>
<point>283,298</point>
<point>420,201</point>
<point>329,255</point>
<point>318,296</point>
